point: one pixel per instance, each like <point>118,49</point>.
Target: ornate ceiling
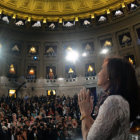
<point>54,10</point>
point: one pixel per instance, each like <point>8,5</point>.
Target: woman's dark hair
<point>123,82</point>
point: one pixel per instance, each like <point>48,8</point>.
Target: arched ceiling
<point>56,9</point>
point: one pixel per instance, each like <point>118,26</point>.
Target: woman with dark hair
<point>118,80</point>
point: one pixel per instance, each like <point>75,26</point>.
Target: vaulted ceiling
<point>56,9</point>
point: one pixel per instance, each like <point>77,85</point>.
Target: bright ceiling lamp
<point>0,11</point>
<point>104,51</point>
<point>14,16</point>
<point>123,5</point>
<point>108,11</point>
<point>92,16</point>
<point>84,54</point>
<point>60,79</point>
<point>76,19</point>
<point>60,20</point>
<point>72,56</point>
<point>29,19</point>
<point>44,20</point>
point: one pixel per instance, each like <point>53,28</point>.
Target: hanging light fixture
<point>0,11</point>
<point>108,11</point>
<point>76,19</point>
<point>29,19</point>
<point>92,16</point>
<point>44,20</point>
<point>14,16</point>
<point>123,5</point>
<point>60,20</point>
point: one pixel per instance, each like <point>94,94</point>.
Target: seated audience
<point>38,118</point>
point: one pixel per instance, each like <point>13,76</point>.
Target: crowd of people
<point>39,118</point>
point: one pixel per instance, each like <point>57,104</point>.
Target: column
<point>60,62</point>
<point>41,62</point>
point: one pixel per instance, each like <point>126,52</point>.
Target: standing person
<point>118,80</point>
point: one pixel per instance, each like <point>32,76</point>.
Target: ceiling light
<point>104,51</point>
<point>108,11</point>
<point>92,16</point>
<point>84,54</point>
<point>60,79</point>
<point>69,48</point>
<point>35,58</point>
<point>0,11</point>
<point>44,20</point>
<point>123,5</point>
<point>76,18</point>
<point>14,16</point>
<point>29,19</point>
<point>60,20</point>
<point>72,56</point>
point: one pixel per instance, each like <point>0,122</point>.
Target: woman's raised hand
<point>85,102</point>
